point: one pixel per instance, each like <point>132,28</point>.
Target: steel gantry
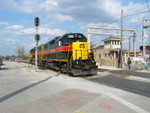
<point>100,30</point>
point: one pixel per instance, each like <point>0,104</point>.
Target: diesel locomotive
<point>69,53</point>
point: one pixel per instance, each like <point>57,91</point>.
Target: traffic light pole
<point>36,56</point>
<point>37,38</point>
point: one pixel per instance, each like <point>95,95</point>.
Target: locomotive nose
<point>80,50</point>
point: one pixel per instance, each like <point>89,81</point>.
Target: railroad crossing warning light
<point>37,37</point>
<point>36,21</point>
<point>141,48</point>
<point>146,47</point>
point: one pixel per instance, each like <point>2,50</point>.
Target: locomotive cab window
<point>70,36</point>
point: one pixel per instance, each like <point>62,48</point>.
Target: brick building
<point>108,54</point>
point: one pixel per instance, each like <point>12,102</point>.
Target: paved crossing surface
<point>129,80</point>
<point>23,90</point>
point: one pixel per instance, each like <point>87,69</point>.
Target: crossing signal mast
<point>37,39</point>
<point>144,27</point>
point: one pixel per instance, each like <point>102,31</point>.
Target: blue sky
<point>62,16</point>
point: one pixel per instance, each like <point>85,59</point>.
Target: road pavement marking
<point>126,103</point>
<point>118,75</point>
<point>80,111</point>
<point>140,79</point>
<point>107,105</point>
<point>130,77</point>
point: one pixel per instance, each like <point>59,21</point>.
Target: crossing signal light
<point>141,48</point>
<point>146,47</point>
<point>36,21</point>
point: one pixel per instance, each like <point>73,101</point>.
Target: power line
<point>128,16</point>
<point>114,21</point>
<point>136,13</point>
<point>147,5</point>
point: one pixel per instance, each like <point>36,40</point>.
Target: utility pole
<point>143,36</point>
<point>121,58</point>
<point>134,44</point>
<point>144,26</point>
<point>129,46</point>
<point>37,39</point>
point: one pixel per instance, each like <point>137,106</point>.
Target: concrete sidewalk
<point>109,68</point>
<point>134,68</point>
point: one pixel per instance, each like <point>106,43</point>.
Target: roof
<point>117,49</point>
<point>111,38</point>
<point>96,46</point>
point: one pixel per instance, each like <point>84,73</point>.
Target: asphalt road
<point>129,80</point>
<point>23,90</point>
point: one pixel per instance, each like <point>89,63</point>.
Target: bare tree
<point>20,51</point>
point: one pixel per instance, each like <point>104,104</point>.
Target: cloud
<point>29,46</point>
<point>60,17</point>
<point>55,32</point>
<point>11,41</point>
<point>4,23</point>
<point>62,10</point>
<point>48,5</point>
<point>14,27</point>
<point>90,11</point>
<point>111,7</point>
<point>84,11</point>
<point>45,31</point>
<point>26,31</point>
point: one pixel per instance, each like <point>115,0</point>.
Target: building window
<point>105,54</point>
<point>108,54</point>
<point>99,56</point>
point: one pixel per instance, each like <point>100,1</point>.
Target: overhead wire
<point>128,16</point>
<point>147,5</point>
<point>133,13</point>
<point>136,13</point>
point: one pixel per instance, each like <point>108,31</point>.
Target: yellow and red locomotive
<point>68,53</point>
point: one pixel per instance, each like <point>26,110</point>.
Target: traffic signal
<point>141,48</point>
<point>37,37</point>
<point>146,47</point>
<point>36,21</point>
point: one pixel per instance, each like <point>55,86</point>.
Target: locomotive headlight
<point>93,61</point>
<point>77,62</point>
